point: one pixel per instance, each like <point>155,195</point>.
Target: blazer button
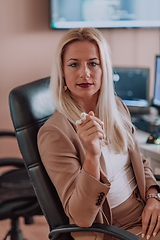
<point>102,194</point>
<point>100,197</point>
<point>99,201</point>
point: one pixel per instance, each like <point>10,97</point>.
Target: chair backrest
<point>30,106</point>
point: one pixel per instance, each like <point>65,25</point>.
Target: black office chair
<point>17,197</point>
<point>30,107</point>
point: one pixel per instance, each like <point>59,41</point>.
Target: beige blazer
<point>83,197</point>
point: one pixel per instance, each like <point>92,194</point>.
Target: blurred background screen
<point>105,13</point>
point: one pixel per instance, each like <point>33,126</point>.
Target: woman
<point>88,145</point>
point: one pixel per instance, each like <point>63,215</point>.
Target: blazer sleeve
<point>149,176</point>
<point>78,191</point>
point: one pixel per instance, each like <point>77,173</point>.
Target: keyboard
<point>146,123</point>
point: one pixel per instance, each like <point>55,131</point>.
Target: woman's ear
<point>65,88</point>
<point>64,84</point>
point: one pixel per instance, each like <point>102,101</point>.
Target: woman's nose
<point>85,72</point>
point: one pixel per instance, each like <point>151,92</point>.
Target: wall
<point>27,46</point>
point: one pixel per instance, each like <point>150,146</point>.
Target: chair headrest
<point>37,102</point>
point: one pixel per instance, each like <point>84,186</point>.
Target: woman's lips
<point>85,85</point>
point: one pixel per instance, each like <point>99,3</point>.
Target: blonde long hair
<point>116,124</point>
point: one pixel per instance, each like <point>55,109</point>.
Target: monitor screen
<point>132,86</point>
<point>156,97</point>
<point>104,13</point>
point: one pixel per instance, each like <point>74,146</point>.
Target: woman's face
<point>82,70</point>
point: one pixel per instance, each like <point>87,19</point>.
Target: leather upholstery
<point>27,119</point>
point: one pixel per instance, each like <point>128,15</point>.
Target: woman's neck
<point>88,106</point>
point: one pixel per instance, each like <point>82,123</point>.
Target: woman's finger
<point>87,117</point>
<point>95,118</point>
<point>90,130</point>
<point>145,221</point>
<point>152,225</point>
<point>156,230</point>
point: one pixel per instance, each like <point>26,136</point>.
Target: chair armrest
<point>96,227</point>
<point>15,162</point>
<point>7,134</point>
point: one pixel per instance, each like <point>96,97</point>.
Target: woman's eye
<point>73,65</point>
<point>93,64</point>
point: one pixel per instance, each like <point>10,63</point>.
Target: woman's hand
<point>91,133</point>
<point>151,218</point>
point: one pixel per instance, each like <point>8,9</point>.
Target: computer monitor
<point>156,97</point>
<point>132,86</point>
<point>104,13</point>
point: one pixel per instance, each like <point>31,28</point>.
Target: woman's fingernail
<point>148,237</point>
<point>154,234</point>
<point>143,235</point>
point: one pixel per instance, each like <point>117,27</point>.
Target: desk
<point>150,151</point>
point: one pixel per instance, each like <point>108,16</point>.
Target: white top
<point>120,174</point>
